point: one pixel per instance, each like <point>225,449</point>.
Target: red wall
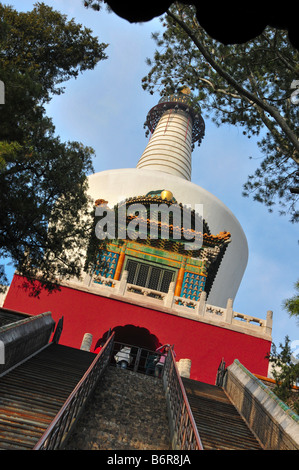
<point>204,344</point>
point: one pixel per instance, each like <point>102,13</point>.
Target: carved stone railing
<point>198,310</point>
<point>237,317</point>
<point>154,294</point>
<point>183,302</point>
<point>105,281</point>
<point>272,421</point>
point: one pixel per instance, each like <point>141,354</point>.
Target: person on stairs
<point>123,357</point>
<point>161,358</point>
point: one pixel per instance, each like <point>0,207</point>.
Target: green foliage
<point>96,5</point>
<point>285,373</point>
<point>248,85</point>
<point>292,304</point>
<point>45,214</point>
<point>39,50</point>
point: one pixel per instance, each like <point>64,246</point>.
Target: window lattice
<point>146,275</point>
<point>154,278</point>
<point>131,268</point>
<point>166,280</point>
<point>142,275</point>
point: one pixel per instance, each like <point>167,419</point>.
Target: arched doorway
<point>133,335</point>
<point>141,342</point>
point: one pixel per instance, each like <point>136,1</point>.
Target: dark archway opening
<point>140,346</point>
<point>134,335</point>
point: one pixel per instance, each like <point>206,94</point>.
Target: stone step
<point>33,393</point>
<point>219,423</point>
<point>127,411</point>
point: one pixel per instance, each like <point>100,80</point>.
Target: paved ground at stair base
<point>126,412</point>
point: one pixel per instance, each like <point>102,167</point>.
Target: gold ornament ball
<point>166,195</point>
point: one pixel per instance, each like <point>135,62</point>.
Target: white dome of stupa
<point>166,165</point>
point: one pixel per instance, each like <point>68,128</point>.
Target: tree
<point>45,213</point>
<point>292,305</point>
<point>285,373</point>
<point>39,51</point>
<point>248,84</point>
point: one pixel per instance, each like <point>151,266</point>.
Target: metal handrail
<point>63,423</point>
<point>184,431</point>
<point>221,372</point>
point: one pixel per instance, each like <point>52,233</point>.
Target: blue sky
<point>106,108</point>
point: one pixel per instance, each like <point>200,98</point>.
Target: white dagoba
<point>166,164</point>
<point>170,147</point>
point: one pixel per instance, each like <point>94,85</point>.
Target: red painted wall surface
<point>204,344</point>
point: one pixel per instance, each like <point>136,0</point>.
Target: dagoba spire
<point>175,126</point>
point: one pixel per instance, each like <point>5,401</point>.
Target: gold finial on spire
<point>186,90</point>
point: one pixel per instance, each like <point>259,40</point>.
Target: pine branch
<point>251,97</point>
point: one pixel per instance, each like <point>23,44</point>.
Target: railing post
<point>168,299</point>
<point>88,279</point>
<point>220,374</point>
<point>121,288</point>
<point>229,311</point>
<point>269,322</point>
<point>86,342</point>
<point>137,360</point>
<point>201,305</point>
<point>184,367</point>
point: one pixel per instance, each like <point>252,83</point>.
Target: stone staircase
<point>220,425</point>
<point>32,393</point>
<point>127,411</point>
